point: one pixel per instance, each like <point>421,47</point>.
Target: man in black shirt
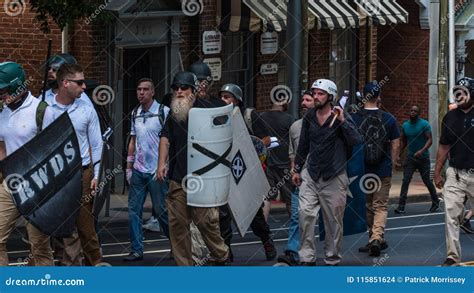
<point>278,123</point>
<point>173,145</point>
<point>457,142</point>
<point>324,183</point>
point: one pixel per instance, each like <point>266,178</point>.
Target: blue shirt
<point>416,135</point>
<point>384,168</point>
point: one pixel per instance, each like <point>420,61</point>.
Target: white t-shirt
<point>19,127</point>
<point>146,128</point>
<point>86,124</point>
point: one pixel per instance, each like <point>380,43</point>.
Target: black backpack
<point>375,137</point>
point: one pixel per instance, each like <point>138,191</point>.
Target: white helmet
<point>326,85</point>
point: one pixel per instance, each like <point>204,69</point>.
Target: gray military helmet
<point>234,90</point>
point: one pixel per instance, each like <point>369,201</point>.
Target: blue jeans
<point>140,185</point>
<point>293,230</point>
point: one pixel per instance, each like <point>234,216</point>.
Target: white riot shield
<point>248,185</point>
<point>209,147</point>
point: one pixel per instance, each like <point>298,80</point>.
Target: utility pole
<point>442,61</point>
<point>294,45</point>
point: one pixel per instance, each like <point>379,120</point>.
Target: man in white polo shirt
<point>142,161</point>
<point>71,85</point>
<point>18,126</point>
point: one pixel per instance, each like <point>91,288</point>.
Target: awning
<point>271,12</point>
<point>234,16</point>
<point>383,11</point>
<point>334,14</point>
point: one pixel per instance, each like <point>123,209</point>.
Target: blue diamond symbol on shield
<point>238,167</point>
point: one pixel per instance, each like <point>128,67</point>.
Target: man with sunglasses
<point>416,136</point>
<point>71,85</point>
<point>18,126</point>
<point>173,146</point>
<point>53,65</point>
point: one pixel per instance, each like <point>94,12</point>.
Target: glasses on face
<point>180,86</point>
<point>79,82</point>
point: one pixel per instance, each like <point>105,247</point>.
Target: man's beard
<point>319,105</point>
<point>181,107</point>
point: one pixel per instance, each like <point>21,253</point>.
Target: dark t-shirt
<point>177,134</point>
<point>384,169</point>
<point>278,124</point>
<point>259,128</point>
<point>457,131</point>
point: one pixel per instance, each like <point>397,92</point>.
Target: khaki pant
<point>85,225</point>
<point>206,220</point>
<point>330,197</point>
<point>40,245</point>
<point>454,194</point>
<point>70,253</point>
<point>377,210</point>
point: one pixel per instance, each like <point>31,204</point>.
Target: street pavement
<point>416,238</point>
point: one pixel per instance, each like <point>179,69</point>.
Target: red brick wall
<point>403,57</point>
<point>363,56</point>
<point>318,56</point>
<point>23,42</point>
<point>88,44</point>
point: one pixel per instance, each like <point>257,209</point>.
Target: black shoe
<point>400,210</point>
<point>270,250</point>
<point>308,264</point>
<point>434,207</point>
<point>133,256</point>
<point>332,265</point>
<point>449,262</point>
<point>466,226</point>
<point>375,247</point>
<point>215,263</point>
<point>288,258</point>
<point>383,246</point>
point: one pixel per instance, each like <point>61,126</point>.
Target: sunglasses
<point>79,82</point>
<point>180,86</point>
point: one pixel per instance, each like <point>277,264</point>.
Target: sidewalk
<point>417,192</point>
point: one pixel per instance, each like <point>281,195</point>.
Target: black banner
<point>44,177</point>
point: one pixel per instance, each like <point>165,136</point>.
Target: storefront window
<point>340,59</point>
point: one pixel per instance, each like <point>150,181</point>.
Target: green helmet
<point>12,76</point>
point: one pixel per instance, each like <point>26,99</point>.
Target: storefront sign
<point>215,64</point>
<point>270,68</point>
<point>269,43</point>
<point>211,42</point>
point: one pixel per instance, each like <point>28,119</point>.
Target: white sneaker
<point>152,225</point>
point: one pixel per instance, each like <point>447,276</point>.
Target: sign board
<point>269,43</point>
<point>215,64</point>
<point>270,68</point>
<point>211,42</point>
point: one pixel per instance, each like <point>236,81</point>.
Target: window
<point>340,59</point>
<point>236,61</point>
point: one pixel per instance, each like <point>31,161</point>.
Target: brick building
<point>347,41</point>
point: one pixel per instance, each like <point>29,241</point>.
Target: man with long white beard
<point>173,146</point>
